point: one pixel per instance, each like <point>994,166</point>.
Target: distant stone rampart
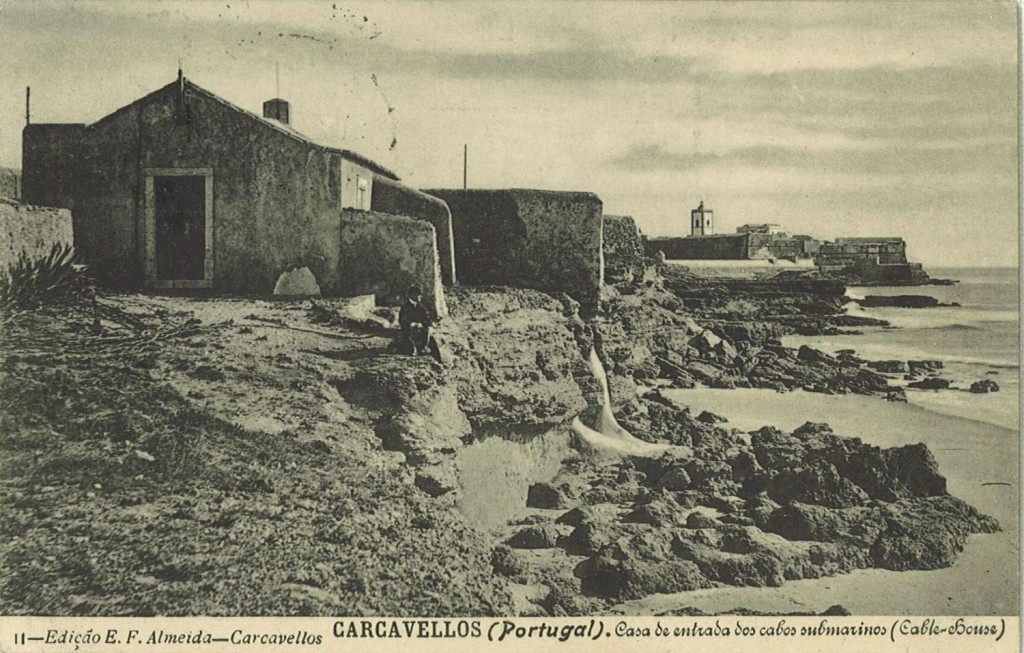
<point>743,246</point>
<point>721,246</point>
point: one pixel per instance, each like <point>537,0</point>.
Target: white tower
<point>701,221</point>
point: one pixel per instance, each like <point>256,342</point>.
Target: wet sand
<point>980,462</point>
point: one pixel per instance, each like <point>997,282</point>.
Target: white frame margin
<point>150,228</point>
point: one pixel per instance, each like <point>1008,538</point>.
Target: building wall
<point>33,230</point>
<point>49,153</point>
<point>275,199</point>
<point>390,196</point>
<point>356,186</point>
<point>546,240</point>
<point>623,249</point>
<point>384,254</point>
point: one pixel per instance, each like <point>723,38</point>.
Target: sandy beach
<point>980,462</point>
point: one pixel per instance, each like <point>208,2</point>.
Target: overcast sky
<point>830,118</point>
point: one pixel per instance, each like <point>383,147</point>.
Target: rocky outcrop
<point>924,367</point>
<point>516,362</point>
<point>931,383</point>
<point>652,333</point>
<point>984,386</point>
<point>717,506</point>
<point>889,367</point>
<point>901,301</point>
<point>720,508</point>
<point>541,536</point>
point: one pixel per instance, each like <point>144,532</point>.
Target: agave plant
<point>57,277</point>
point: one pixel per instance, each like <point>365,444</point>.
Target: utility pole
<point>465,161</point>
<point>28,97</point>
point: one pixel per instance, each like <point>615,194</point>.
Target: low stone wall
<point>10,183</point>
<point>547,240</point>
<point>390,196</point>
<point>384,254</point>
<point>31,229</point>
<point>623,249</point>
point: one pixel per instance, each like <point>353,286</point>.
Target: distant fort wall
<point>723,246</point>
<point>749,246</point>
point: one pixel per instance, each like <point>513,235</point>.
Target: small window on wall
<point>363,193</point>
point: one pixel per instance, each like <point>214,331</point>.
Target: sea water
<point>980,339</point>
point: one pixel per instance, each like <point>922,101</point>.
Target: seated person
<point>415,321</point>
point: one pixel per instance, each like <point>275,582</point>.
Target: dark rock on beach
<point>889,367</point>
<point>983,386</point>
<point>931,383</point>
<point>899,301</point>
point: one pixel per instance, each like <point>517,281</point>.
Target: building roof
<point>268,122</point>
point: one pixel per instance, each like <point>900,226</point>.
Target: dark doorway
<point>180,227</point>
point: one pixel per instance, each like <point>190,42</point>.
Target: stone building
<point>547,240</point>
<point>761,228</point>
<point>181,188</point>
<point>702,221</point>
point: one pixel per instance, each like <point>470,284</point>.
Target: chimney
<point>276,109</point>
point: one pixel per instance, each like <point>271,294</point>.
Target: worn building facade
<point>548,240</point>
<point>184,189</point>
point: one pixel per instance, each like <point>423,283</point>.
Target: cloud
<point>647,157</point>
<point>981,165</point>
